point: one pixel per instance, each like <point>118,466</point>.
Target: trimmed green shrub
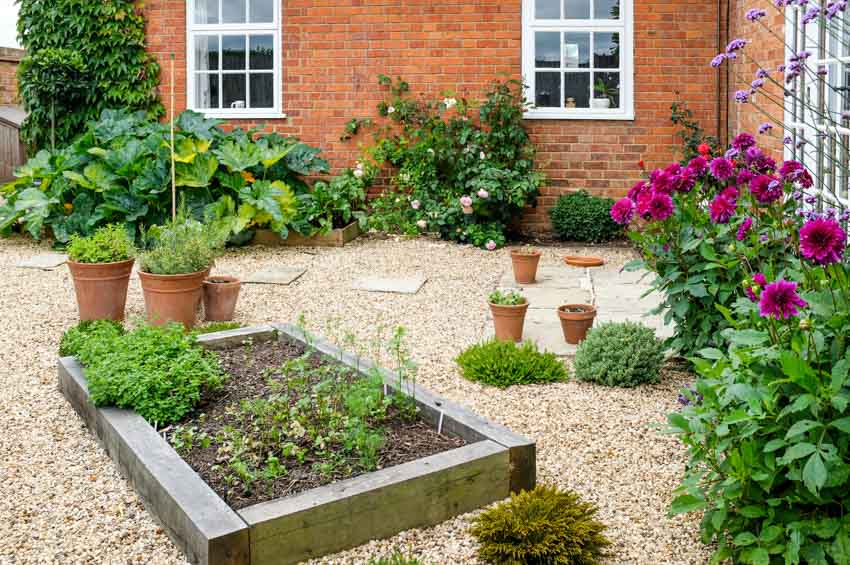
<point>504,364</point>
<point>619,354</point>
<point>584,218</point>
<point>159,372</point>
<point>541,527</point>
<point>74,339</point>
<point>108,244</point>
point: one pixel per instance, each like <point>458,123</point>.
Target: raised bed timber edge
<point>320,521</point>
<point>335,238</point>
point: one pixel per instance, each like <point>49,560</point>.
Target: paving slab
<point>44,262</point>
<point>404,285</point>
<point>548,298</point>
<point>276,275</point>
<point>550,276</point>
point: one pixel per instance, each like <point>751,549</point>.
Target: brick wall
<point>9,59</point>
<point>333,51</point>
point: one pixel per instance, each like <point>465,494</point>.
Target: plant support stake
<point>173,173</point>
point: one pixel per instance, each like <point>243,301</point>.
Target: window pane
<point>606,50</point>
<point>233,52</point>
<point>548,90</point>
<point>233,11</point>
<point>262,52</point>
<point>262,11</point>
<point>547,9</point>
<point>577,9</point>
<point>606,9</point>
<point>577,50</point>
<point>547,49</point>
<point>206,90</point>
<point>576,90</point>
<point>234,91</point>
<point>206,11</point>
<point>606,90</point>
<point>262,90</point>
<point>206,52</point>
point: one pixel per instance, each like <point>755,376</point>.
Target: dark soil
<point>248,366</point>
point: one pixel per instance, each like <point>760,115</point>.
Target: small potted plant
<point>525,262</point>
<point>100,265</point>
<point>174,267</point>
<point>576,321</point>
<point>605,95</point>
<point>221,293</point>
<point>508,310</point>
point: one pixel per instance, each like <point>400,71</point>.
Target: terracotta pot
<point>220,296</point>
<point>525,266</point>
<point>173,298</point>
<point>576,321</point>
<point>509,321</point>
<point>584,261</point>
<point>101,289</point>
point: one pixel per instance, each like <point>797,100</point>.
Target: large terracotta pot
<point>576,321</point>
<point>173,298</point>
<point>101,289</point>
<point>220,296</point>
<point>525,266</point>
<point>509,321</point>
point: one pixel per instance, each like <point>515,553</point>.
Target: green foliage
<point>545,526</point>
<point>445,152</point>
<point>690,131</point>
<point>82,58</point>
<point>335,203</point>
<point>619,354</point>
<point>508,298</point>
<point>578,216</point>
<point>214,327</point>
<point>108,244</point>
<point>504,364</point>
<point>394,559</point>
<point>182,246</point>
<point>75,338</point>
<point>119,172</point>
<point>159,372</point>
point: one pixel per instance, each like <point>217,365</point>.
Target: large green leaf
<point>35,208</point>
<point>199,126</point>
<point>198,173</point>
<point>96,176</point>
<point>815,473</point>
<point>238,156</point>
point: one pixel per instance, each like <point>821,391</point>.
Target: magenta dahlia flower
<point>822,241</point>
<point>794,171</point>
<point>744,229</point>
<point>698,165</point>
<point>779,300</point>
<point>721,209</point>
<point>664,181</point>
<point>743,141</point>
<point>623,211</point>
<point>660,206</point>
<point>766,189</point>
<point>637,190</point>
<point>722,168</point>
<point>686,180</point>
<point>759,282</point>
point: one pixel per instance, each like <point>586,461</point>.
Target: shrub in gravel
<point>582,217</point>
<point>505,363</point>
<point>543,526</point>
<point>619,354</point>
<point>74,339</point>
<point>394,559</point>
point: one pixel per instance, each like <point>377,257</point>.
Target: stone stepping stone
<point>409,285</point>
<point>44,262</point>
<point>558,276</point>
<point>279,275</point>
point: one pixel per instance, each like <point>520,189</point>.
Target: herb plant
<point>396,558</point>
<point>584,218</point>
<point>619,354</point>
<point>75,338</point>
<point>505,363</point>
<point>182,246</point>
<point>506,298</point>
<point>544,526</point>
<point>108,244</point>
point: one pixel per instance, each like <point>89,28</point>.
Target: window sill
<point>579,115</point>
<point>244,115</point>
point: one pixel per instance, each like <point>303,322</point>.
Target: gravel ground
<point>63,501</point>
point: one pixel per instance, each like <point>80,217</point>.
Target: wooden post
<point>173,166</point>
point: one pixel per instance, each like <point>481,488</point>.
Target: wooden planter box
<point>320,521</point>
<point>336,238</point>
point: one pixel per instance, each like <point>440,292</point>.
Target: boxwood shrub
<point>584,218</point>
<point>619,354</point>
<point>505,363</point>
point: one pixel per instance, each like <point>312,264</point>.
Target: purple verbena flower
<point>755,14</point>
<point>765,127</point>
<point>742,96</point>
<point>735,45</point>
<point>718,60</point>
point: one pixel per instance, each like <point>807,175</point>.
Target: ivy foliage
<point>85,57</point>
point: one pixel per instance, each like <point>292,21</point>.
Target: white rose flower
<point>391,110</point>
<point>450,103</point>
<point>358,173</point>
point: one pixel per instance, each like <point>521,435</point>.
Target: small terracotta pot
<point>101,289</point>
<point>584,261</point>
<point>173,298</point>
<point>220,296</point>
<point>525,266</point>
<point>576,321</point>
<point>509,321</point>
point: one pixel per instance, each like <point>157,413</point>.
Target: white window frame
<point>274,28</point>
<point>624,26</point>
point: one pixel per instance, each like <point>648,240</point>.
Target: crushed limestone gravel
<point>63,501</point>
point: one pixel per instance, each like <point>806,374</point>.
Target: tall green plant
<point>109,37</point>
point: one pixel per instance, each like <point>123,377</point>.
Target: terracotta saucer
<point>584,261</point>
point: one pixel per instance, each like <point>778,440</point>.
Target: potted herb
<point>508,310</point>
<point>525,262</point>
<point>605,95</point>
<point>220,296</point>
<point>576,321</point>
<point>173,269</point>
<point>100,265</point>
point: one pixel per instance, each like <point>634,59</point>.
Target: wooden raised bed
<point>323,520</point>
<point>336,238</point>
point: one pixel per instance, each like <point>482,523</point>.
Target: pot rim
<point>111,263</point>
<point>174,277</point>
<point>588,312</point>
<point>520,253</point>
<point>510,306</point>
<point>222,280</point>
